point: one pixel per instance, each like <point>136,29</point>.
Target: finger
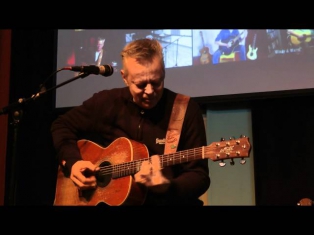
<point>145,168</point>
<point>137,177</point>
<point>142,179</point>
<point>82,181</point>
<point>90,166</point>
<point>140,176</point>
<point>77,182</point>
<point>155,162</point>
<point>85,176</point>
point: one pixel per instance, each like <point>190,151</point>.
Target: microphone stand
<point>17,113</point>
<point>177,52</point>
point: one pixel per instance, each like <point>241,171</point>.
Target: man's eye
<point>156,84</point>
<point>141,86</point>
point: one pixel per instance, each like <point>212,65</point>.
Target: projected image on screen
<point>93,47</point>
<point>97,47</point>
<point>298,41</point>
<point>177,44</point>
<point>225,45</point>
<point>199,62</point>
<point>228,45</point>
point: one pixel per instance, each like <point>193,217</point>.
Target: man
<point>229,41</point>
<point>98,54</point>
<point>140,111</point>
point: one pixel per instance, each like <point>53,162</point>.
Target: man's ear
<point>123,77</point>
<point>126,82</point>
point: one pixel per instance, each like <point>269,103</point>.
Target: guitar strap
<point>175,123</point>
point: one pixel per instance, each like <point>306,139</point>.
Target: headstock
<point>229,149</point>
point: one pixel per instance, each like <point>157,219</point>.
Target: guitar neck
<point>217,151</point>
<point>183,156</point>
<point>201,33</point>
<point>130,168</point>
<point>237,37</point>
<point>254,40</point>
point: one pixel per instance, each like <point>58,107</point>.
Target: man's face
<point>100,45</point>
<point>145,81</point>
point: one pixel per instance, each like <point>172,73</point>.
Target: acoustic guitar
<point>205,56</point>
<point>301,36</point>
<point>122,159</point>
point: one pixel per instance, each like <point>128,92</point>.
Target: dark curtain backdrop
<point>5,58</point>
<point>282,132</point>
<point>31,160</point>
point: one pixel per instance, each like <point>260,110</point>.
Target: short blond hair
<point>143,50</point>
<point>100,39</point>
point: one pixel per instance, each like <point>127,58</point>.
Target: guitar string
<point>165,159</point>
<point>128,168</point>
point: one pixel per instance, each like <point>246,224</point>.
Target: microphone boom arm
<point>23,101</point>
<point>16,110</point>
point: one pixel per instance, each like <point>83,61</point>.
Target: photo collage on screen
<point>192,47</point>
<point>228,45</point>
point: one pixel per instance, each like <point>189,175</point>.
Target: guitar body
<point>296,40</point>
<point>226,50</point>
<point>122,159</point>
<point>205,56</point>
<point>110,190</point>
<point>252,53</point>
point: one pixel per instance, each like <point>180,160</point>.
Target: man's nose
<point>149,89</point>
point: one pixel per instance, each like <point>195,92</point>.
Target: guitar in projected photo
<point>205,56</point>
<point>300,36</point>
<point>252,52</point>
<point>232,43</point>
<point>122,159</point>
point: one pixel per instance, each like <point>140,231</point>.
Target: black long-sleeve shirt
<point>110,114</point>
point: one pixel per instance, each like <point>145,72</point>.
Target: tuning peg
<point>242,136</point>
<point>242,161</point>
<point>222,139</point>
<point>222,163</point>
<point>231,162</point>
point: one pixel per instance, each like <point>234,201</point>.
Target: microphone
<point>105,70</point>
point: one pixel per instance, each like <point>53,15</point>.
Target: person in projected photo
<point>97,56</point>
<point>141,112</point>
<point>93,55</point>
<point>299,40</point>
<point>230,41</point>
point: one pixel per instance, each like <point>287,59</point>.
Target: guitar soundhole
<point>104,175</point>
